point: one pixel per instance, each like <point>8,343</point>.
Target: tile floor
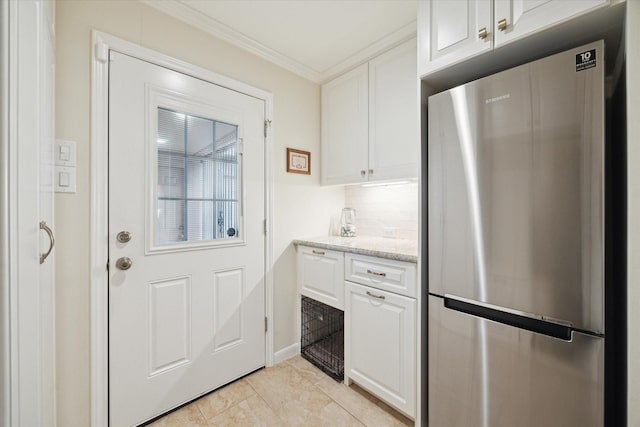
<point>292,393</point>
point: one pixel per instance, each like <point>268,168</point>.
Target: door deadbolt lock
<point>123,237</point>
<point>124,263</point>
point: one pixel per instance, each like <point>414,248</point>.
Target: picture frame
<point>298,161</point>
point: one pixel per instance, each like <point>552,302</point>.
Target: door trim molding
<point>99,279</point>
<point>7,203</point>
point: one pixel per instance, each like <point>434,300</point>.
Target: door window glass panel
<point>198,179</point>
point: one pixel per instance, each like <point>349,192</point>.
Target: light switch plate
<point>65,179</point>
<point>64,153</point>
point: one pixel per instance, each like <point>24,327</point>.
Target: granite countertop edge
<point>361,247</point>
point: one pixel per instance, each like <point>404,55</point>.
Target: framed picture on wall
<point>298,161</point>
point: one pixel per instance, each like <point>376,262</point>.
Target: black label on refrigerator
<point>586,60</point>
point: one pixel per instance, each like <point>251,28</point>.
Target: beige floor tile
<point>294,393</point>
<point>220,400</point>
<point>332,415</point>
<point>253,411</point>
<point>296,414</point>
<point>306,369</point>
<point>403,420</point>
<point>291,396</point>
<point>186,416</point>
<point>361,406</point>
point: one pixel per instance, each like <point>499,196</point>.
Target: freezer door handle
<point>523,322</point>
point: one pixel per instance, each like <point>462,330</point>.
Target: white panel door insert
<point>452,31</point>
<point>186,240</point>
<point>380,344</point>
<point>393,118</point>
<point>345,129</point>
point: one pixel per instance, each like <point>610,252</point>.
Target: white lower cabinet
<point>321,275</point>
<point>380,344</point>
<point>378,296</point>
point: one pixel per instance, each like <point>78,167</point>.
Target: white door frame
<point>102,43</point>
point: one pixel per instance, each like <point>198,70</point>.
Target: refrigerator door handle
<point>539,326</point>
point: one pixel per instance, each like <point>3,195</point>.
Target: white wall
<point>301,206</point>
<point>633,212</point>
<point>385,206</point>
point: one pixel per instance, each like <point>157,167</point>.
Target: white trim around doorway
<point>101,44</point>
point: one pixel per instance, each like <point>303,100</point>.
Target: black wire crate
<point>322,337</point>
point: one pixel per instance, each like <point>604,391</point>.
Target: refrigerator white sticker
<point>586,60</point>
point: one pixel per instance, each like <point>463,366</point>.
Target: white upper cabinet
<point>370,120</point>
<point>393,114</point>
<point>515,19</point>
<point>345,118</point>
<point>452,31</point>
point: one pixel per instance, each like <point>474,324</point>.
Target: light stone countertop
<point>396,249</point>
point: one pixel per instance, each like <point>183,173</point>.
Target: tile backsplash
<point>386,206</point>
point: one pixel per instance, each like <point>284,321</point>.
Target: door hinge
<point>265,324</point>
<point>101,51</point>
<point>267,124</point>
<point>107,264</point>
<point>265,226</point>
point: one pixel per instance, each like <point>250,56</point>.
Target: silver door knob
<point>124,263</point>
<point>123,237</point>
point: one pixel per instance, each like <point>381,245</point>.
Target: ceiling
<point>317,39</point>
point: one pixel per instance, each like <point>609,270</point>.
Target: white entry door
<point>186,251</point>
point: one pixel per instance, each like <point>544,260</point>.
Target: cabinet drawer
<point>321,275</point>
<point>394,276</point>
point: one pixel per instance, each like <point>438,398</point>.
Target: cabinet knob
<point>363,172</point>
<point>482,34</point>
<point>502,24</point>
<point>370,171</point>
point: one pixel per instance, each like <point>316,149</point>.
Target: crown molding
<point>209,25</point>
<point>217,29</point>
<point>391,40</point>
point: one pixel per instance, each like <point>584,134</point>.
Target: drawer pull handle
<point>318,252</point>
<point>375,273</point>
<point>375,296</point>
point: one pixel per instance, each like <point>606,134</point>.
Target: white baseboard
<point>285,353</point>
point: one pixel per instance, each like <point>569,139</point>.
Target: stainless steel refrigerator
<point>516,246</point>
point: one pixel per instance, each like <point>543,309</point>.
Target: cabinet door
<point>321,275</point>
<point>393,114</point>
<point>449,32</point>
<point>380,345</point>
<point>524,17</point>
<point>345,116</point>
